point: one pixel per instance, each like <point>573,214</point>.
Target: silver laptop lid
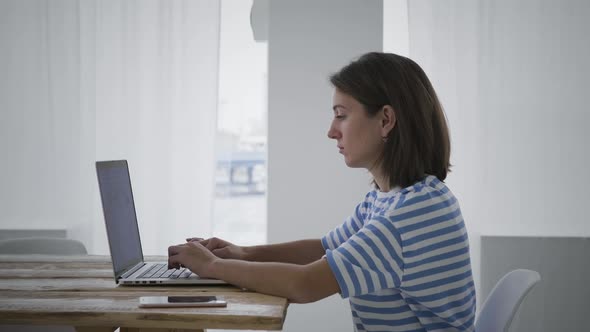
<point>119,215</point>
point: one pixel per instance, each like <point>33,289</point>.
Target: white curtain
<point>512,76</point>
<point>87,80</point>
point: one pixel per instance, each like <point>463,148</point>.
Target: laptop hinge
<point>132,270</point>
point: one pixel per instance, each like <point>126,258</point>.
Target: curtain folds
<point>101,80</point>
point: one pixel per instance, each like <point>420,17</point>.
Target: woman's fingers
<point>214,243</point>
<point>173,250</point>
<point>174,255</point>
<point>211,243</point>
<point>193,239</point>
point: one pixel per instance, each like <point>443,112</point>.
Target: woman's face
<point>358,136</point>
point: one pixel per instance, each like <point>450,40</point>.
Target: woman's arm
<point>298,283</point>
<point>297,252</point>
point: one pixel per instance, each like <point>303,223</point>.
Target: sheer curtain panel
<point>101,80</point>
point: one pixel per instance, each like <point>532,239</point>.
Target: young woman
<point>402,258</point>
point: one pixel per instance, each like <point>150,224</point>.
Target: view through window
<point>239,209</point>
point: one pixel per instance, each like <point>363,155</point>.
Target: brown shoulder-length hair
<point>419,144</point>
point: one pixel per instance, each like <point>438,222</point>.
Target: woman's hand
<point>193,256</point>
<point>221,248</point>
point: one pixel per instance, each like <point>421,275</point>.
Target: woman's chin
<point>352,163</point>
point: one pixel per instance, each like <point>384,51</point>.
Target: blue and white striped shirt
<point>403,259</point>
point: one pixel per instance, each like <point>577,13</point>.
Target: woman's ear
<point>388,120</point>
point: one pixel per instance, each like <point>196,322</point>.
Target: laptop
<point>123,233</point>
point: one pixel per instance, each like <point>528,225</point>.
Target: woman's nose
<point>332,133</point>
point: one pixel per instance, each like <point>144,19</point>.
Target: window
<point>239,208</point>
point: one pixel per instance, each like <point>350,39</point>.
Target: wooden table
<point>80,291</point>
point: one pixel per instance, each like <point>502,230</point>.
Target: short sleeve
<point>350,226</point>
<point>369,260</point>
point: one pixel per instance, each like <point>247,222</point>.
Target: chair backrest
<point>42,245</point>
<point>504,300</point>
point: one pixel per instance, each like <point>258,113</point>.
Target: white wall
<point>310,189</point>
<point>513,78</point>
<point>395,27</point>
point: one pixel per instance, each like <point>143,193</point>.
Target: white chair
<point>42,245</point>
<point>504,300</point>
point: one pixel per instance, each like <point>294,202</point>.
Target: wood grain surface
<point>80,291</point>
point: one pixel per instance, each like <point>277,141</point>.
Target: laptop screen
<point>119,214</point>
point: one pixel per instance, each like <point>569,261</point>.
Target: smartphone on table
<point>181,301</point>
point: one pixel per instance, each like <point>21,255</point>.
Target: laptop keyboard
<point>161,271</point>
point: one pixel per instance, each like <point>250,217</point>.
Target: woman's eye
<point>339,117</point>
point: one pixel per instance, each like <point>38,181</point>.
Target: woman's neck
<point>381,181</point>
